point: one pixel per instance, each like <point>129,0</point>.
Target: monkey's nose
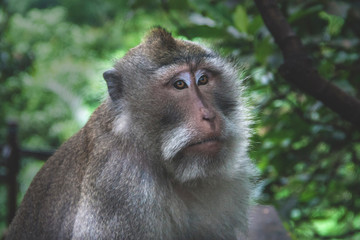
<point>208,114</point>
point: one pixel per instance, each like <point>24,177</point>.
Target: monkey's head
<point>179,101</point>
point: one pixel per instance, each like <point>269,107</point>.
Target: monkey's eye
<point>180,84</point>
<point>203,80</point>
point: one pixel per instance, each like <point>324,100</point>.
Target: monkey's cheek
<point>206,148</point>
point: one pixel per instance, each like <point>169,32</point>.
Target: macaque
<point>164,157</point>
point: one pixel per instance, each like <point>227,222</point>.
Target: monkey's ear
<point>113,81</point>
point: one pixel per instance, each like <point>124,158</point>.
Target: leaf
<point>255,25</point>
<point>302,13</point>
<point>241,19</point>
<point>263,49</point>
<point>335,23</point>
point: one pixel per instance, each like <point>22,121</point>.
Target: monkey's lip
<point>211,139</point>
<point>207,144</point>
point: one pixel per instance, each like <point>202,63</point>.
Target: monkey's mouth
<point>208,140</point>
<point>207,145</point>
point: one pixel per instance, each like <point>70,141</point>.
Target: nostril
<point>207,114</point>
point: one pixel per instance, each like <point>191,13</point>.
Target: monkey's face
<point>180,101</point>
<point>192,112</point>
<point>190,104</point>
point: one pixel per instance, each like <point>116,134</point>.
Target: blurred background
<point>53,54</point>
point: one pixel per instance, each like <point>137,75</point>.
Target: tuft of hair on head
<point>161,36</point>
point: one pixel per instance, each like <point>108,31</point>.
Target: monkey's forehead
<point>169,63</point>
<point>182,52</point>
<point>187,66</point>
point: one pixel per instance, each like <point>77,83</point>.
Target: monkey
<point>164,156</point>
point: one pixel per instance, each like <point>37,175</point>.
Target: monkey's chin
<point>208,147</point>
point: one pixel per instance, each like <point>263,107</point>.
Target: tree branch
<point>297,67</point>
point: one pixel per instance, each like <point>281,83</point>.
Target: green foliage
<point>335,23</point>
<point>240,19</point>
<point>52,55</point>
